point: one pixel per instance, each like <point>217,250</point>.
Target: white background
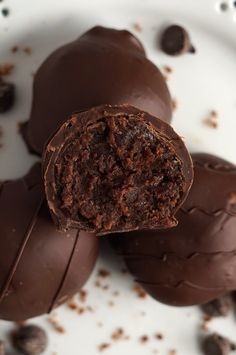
<point>202,82</point>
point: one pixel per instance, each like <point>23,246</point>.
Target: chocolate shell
<point>40,267</point>
<point>195,262</point>
<point>116,168</point>
<point>103,66</point>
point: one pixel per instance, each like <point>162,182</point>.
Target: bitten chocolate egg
<point>40,268</point>
<point>103,66</point>
<point>116,168</point>
<point>196,261</point>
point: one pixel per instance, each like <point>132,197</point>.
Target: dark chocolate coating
<point>78,126</point>
<point>40,267</point>
<point>195,262</point>
<point>103,66</point>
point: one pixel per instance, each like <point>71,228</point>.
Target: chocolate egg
<point>40,267</point>
<point>194,262</point>
<point>103,66</point>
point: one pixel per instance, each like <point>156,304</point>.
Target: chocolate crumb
<point>5,12</point>
<point>172,352</point>
<point>14,49</point>
<point>7,96</point>
<point>168,69</point>
<point>100,324</point>
<point>111,303</point>
<point>90,309</point>
<point>2,348</point>
<point>211,120</point>
<point>118,334</point>
<point>174,103</point>
<point>139,291</point>
<point>27,50</point>
<point>83,294</point>
<point>103,346</point>
<point>30,340</point>
<point>104,273</point>
<point>205,321</point>
<point>219,307</point>
<point>116,293</point>
<point>144,339</point>
<point>159,336</point>
<point>56,325</point>
<point>98,284</point>
<point>72,305</point>
<point>80,310</point>
<point>6,69</point>
<point>137,27</point>
<point>105,287</point>
<point>216,344</point>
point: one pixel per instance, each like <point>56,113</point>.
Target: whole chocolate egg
<point>194,262</point>
<point>40,267</point>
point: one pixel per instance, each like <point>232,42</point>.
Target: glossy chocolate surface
<point>40,267</point>
<point>103,66</point>
<point>196,261</point>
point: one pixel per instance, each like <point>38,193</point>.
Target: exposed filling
<point>118,173</point>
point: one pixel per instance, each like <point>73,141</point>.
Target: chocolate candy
<point>176,41</point>
<point>115,168</point>
<point>220,307</point>
<point>40,267</point>
<point>195,262</point>
<point>216,344</point>
<point>103,66</point>
<point>30,340</point>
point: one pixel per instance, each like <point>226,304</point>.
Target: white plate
<point>202,82</point>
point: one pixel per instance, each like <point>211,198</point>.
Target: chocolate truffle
<point>115,168</point>
<point>40,266</point>
<point>103,66</point>
<point>195,262</point>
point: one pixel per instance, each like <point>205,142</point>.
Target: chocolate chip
<point>7,96</point>
<point>2,348</point>
<point>176,40</point>
<point>215,344</point>
<point>30,340</point>
<point>219,307</point>
<point>5,12</point>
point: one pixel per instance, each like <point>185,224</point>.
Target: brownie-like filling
<point>118,173</point>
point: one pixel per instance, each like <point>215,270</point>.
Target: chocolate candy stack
<point>112,164</point>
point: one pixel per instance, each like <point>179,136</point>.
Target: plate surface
<point>200,83</point>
